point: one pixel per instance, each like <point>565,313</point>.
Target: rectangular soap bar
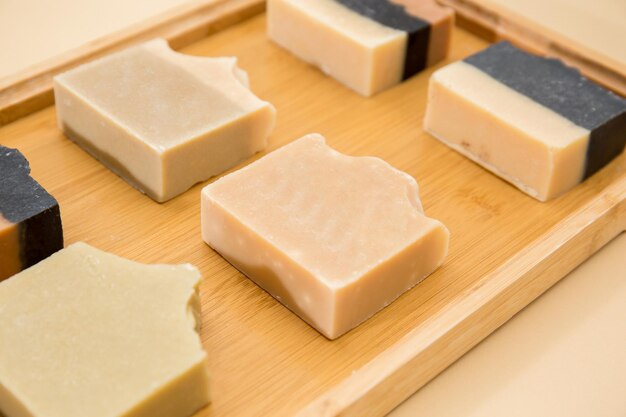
<point>162,120</point>
<point>334,238</point>
<point>85,333</point>
<point>30,219</point>
<point>367,45</point>
<point>533,121</point>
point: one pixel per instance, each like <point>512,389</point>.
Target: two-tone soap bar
<point>30,219</point>
<point>368,45</point>
<point>533,121</point>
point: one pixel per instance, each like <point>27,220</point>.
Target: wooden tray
<point>506,248</point>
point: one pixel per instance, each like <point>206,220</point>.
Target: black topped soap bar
<point>30,219</point>
<point>565,91</point>
<point>531,120</point>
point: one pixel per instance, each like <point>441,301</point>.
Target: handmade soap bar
<point>368,45</point>
<point>533,121</point>
<point>30,220</point>
<point>334,238</point>
<point>86,333</point>
<point>162,120</point>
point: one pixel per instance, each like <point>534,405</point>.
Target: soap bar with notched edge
<point>87,333</point>
<point>30,219</point>
<point>368,45</point>
<point>163,121</point>
<point>531,120</point>
<point>334,238</point>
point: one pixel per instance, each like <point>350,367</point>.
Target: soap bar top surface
<point>331,13</point>
<point>163,96</point>
<point>336,215</point>
<point>550,83</point>
<point>87,333</point>
<point>386,13</point>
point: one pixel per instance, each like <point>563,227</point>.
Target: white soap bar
<point>334,238</point>
<point>163,120</point>
<point>88,334</point>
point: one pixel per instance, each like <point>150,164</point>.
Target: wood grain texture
<point>31,90</point>
<point>494,21</point>
<point>506,248</point>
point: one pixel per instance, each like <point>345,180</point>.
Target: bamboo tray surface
<point>506,248</point>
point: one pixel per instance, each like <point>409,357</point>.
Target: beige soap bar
<point>162,120</point>
<point>334,238</point>
<point>367,45</point>
<point>88,334</point>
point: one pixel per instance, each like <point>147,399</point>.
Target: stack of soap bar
<point>531,120</point>
<point>368,45</point>
<point>162,120</point>
<point>334,238</point>
<point>86,333</point>
<point>30,220</point>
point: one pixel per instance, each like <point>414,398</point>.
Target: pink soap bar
<point>334,238</point>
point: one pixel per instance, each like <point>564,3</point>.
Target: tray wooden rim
<point>30,91</point>
<point>428,349</point>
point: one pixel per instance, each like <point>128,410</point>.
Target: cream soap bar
<point>162,120</point>
<point>86,333</point>
<point>368,45</point>
<point>531,120</point>
<point>334,238</point>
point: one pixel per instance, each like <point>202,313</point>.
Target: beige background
<point>32,31</point>
<point>561,356</point>
<point>599,25</point>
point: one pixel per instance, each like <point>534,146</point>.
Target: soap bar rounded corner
<point>31,227</point>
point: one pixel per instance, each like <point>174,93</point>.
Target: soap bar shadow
<point>276,287</point>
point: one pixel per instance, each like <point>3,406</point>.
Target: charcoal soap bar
<point>30,219</point>
<point>368,45</point>
<point>534,121</point>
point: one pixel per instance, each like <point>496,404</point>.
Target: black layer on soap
<point>565,91</point>
<point>26,203</point>
<point>395,16</point>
